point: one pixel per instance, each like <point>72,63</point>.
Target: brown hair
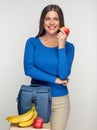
<point>48,8</point>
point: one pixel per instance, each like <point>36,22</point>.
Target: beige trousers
<point>60,112</point>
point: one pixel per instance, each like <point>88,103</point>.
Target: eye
<point>56,19</point>
<point>47,18</point>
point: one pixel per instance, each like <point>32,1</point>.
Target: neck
<point>50,37</point>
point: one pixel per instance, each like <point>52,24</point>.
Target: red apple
<point>38,122</point>
<point>66,30</point>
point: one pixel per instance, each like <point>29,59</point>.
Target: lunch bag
<point>37,94</point>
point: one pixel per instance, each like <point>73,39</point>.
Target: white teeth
<point>52,27</point>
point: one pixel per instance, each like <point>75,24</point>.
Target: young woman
<point>48,59</point>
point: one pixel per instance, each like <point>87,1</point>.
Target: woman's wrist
<point>61,46</point>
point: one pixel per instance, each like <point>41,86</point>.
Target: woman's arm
<point>65,57</point>
<point>30,69</point>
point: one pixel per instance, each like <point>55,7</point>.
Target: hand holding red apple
<point>62,36</point>
<point>66,30</point>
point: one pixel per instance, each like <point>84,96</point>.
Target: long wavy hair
<point>48,8</point>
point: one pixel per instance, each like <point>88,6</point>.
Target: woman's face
<point>51,22</point>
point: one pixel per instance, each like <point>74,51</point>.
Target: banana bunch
<point>24,120</point>
<point>30,121</point>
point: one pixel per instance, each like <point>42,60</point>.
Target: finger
<point>68,79</point>
<point>65,84</point>
<point>61,30</point>
<point>62,33</point>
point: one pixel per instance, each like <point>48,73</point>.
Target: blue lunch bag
<point>37,94</point>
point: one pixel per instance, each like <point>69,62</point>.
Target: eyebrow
<point>50,17</point>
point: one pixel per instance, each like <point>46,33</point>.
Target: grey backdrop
<point>18,21</point>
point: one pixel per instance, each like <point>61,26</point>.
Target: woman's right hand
<point>64,82</point>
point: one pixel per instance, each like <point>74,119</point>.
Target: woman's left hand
<point>61,39</point>
<point>66,82</point>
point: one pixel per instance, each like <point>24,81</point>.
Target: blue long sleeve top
<point>44,64</point>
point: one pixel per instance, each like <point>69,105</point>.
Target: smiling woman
<point>48,60</point>
<point>51,25</point>
<point>58,17</point>
<point>51,22</point>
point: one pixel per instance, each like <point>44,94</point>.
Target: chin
<point>52,32</point>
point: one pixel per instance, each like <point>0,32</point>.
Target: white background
<point>19,21</point>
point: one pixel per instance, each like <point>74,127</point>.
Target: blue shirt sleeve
<point>65,57</point>
<point>30,69</point>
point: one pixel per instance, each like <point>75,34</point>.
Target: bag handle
<point>35,85</point>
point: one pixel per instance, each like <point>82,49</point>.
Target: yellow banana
<point>23,117</point>
<point>29,122</point>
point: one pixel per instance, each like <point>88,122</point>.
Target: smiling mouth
<point>51,27</point>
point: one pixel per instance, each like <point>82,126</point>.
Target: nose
<point>51,21</point>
